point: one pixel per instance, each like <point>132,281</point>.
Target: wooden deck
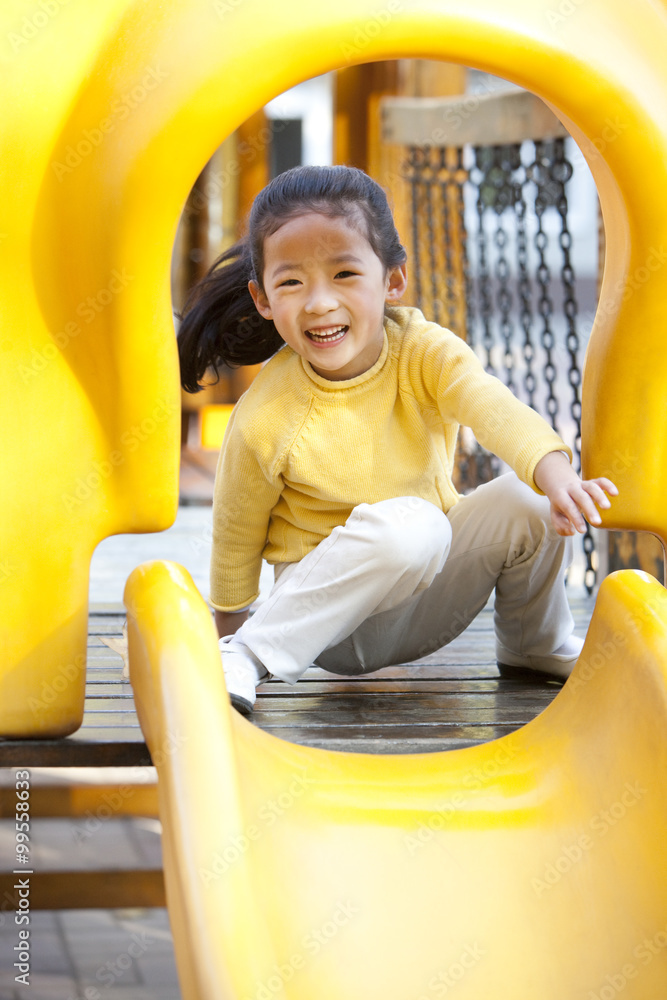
<point>452,698</point>
<point>197,475</point>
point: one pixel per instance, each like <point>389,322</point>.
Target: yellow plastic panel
<point>214,420</point>
<point>531,866</point>
<point>110,111</point>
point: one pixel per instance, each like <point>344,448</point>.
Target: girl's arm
<point>227,622</point>
<point>571,498</point>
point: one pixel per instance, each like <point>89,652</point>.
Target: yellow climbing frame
<point>544,877</point>
<point>110,110</point>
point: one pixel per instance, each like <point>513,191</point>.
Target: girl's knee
<point>407,532</point>
<point>522,500</point>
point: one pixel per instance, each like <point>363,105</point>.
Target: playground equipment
<point>530,866</point>
<point>111,109</point>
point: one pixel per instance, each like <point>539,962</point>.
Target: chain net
<point>491,260</point>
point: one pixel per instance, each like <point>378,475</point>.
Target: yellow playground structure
<point>389,877</point>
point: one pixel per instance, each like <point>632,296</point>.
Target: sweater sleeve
<point>246,490</point>
<point>467,394</point>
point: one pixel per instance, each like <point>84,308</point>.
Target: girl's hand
<point>572,499</point>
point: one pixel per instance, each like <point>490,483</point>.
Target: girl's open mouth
<point>329,335</point>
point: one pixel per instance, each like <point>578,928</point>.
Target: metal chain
<point>525,294</point>
<point>413,169</point>
<point>561,173</point>
<point>430,171</point>
<point>447,185</point>
<point>540,174</point>
<point>462,178</point>
<point>483,281</point>
<point>506,159</point>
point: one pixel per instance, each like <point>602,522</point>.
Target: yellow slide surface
<point>531,867</point>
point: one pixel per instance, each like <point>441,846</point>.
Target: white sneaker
<point>242,676</point>
<point>556,666</point>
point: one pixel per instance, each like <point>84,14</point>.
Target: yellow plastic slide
<point>382,877</point>
<point>532,866</point>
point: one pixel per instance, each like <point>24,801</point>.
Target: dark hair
<point>220,324</point>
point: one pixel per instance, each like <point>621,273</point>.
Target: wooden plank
<point>89,750</point>
<point>389,744</point>
<point>73,890</point>
<point>361,686</point>
<point>470,734</point>
<point>476,119</point>
<point>77,800</point>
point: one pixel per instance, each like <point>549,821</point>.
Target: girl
<point>336,465</point>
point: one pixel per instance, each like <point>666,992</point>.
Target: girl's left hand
<point>572,499</point>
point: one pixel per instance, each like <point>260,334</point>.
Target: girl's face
<point>325,290</point>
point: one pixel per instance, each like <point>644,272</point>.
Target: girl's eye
<point>289,281</point>
<point>346,274</point>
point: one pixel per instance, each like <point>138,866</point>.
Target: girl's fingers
<point>570,510</point>
<point>597,493</point>
<point>561,523</point>
<point>606,485</point>
<point>579,503</point>
<point>585,505</point>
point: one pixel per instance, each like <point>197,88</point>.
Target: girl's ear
<point>260,300</point>
<point>397,282</point>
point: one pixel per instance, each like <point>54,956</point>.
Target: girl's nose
<point>322,299</point>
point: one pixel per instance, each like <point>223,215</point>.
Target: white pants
<point>400,579</point>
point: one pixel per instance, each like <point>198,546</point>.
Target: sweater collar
<point>334,386</point>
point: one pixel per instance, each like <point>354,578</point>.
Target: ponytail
<point>220,324</point>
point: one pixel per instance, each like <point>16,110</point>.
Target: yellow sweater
<point>301,451</point>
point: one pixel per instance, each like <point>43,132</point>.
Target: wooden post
<point>358,128</point>
<point>253,148</point>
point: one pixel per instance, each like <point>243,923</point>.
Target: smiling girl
<point>336,466</point>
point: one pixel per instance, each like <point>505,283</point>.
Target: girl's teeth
<point>334,335</point>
